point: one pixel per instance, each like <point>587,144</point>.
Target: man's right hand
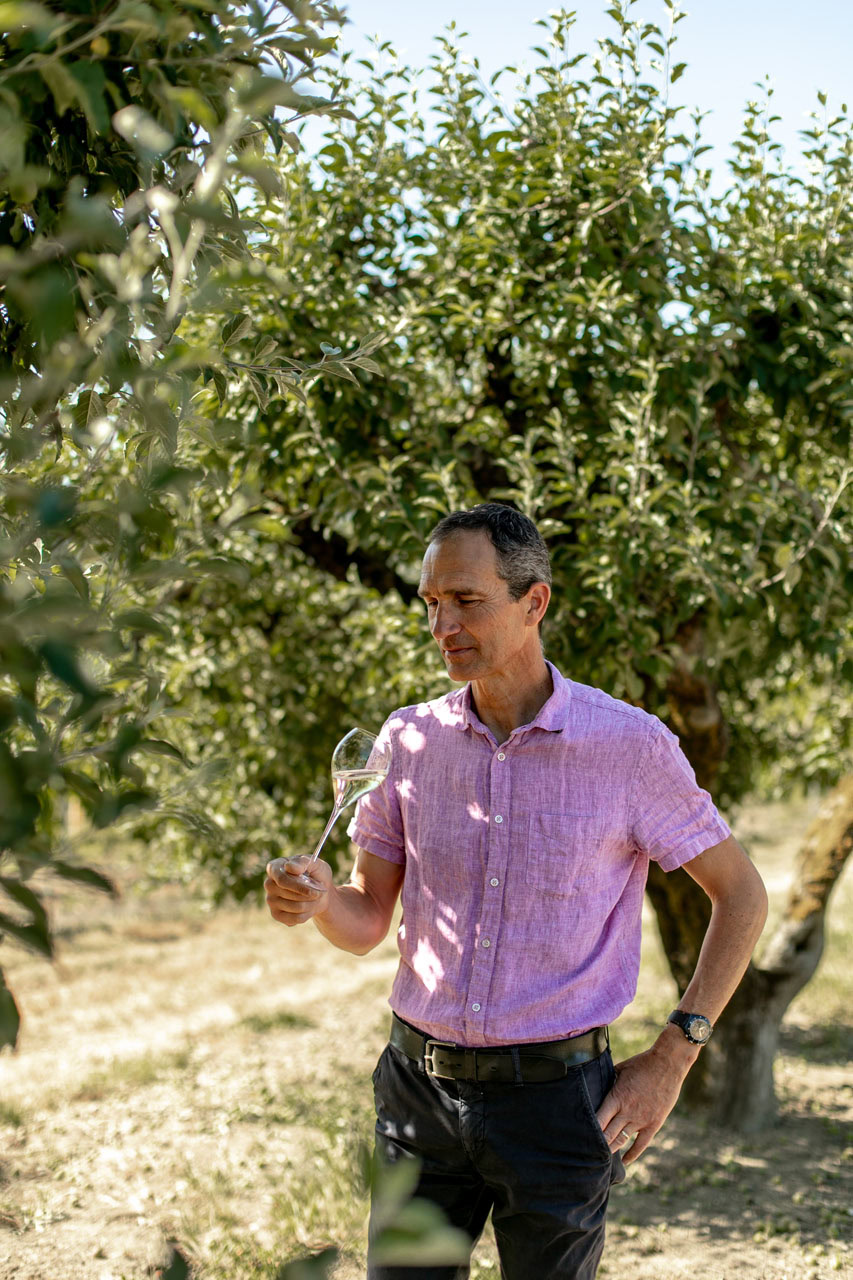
<point>290,902</point>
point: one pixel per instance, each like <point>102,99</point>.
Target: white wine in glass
<point>359,764</point>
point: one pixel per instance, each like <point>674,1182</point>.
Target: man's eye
<point>467,601</point>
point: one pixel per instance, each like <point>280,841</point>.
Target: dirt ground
<point>204,1077</point>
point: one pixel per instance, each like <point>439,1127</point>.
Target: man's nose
<point>444,622</point>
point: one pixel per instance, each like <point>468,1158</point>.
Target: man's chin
<point>460,665</point>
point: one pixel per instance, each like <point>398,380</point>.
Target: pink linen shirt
<point>526,861</point>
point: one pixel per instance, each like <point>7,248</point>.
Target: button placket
<point>485,949</point>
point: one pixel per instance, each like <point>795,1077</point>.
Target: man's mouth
<point>449,653</point>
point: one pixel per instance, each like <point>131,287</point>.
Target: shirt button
<point>502,755</point>
<point>494,882</point>
<point>475,1007</point>
<point>498,818</point>
<point>485,943</point>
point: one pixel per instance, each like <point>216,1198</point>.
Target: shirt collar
<point>553,715</point>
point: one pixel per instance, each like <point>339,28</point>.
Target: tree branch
<point>331,553</point>
<point>795,949</point>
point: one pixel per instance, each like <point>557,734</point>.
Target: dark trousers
<point>532,1154</point>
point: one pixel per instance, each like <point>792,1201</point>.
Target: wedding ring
<point>623,1133</point>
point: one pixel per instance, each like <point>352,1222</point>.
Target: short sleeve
<point>673,819</point>
<point>377,826</point>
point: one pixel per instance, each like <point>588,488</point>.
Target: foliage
<point>221,563</point>
<point>657,375</point>
<point>131,136</point>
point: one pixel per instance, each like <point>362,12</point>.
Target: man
<point>517,823</point>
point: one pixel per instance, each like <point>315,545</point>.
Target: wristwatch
<point>695,1026</point>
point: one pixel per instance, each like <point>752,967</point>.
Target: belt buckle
<point>429,1057</point>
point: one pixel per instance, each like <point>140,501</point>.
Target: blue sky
<point>803,45</point>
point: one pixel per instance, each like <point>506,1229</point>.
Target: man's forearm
<point>737,919</point>
<point>352,921</point>
<point>647,1085</point>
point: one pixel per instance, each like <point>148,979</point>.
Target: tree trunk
<point>682,909</point>
<point>749,1028</point>
<point>735,1072</point>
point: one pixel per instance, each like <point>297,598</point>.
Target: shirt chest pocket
<point>562,851</point>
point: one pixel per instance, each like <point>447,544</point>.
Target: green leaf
<point>371,344</point>
<point>142,130</point>
<point>74,573</point>
<point>261,172</point>
<point>113,805</point>
<point>793,574</point>
<point>30,901</point>
<point>82,785</point>
<point>220,382</point>
<point>316,1267</point>
<point>159,747</point>
<point>678,71</point>
<point>370,366</point>
<point>55,506</point>
<point>262,93</point>
<point>84,875</point>
<point>193,820</point>
<point>258,389</point>
<point>17,15</point>
<point>142,622</point>
<point>90,89</point>
<point>177,1266</point>
<point>266,348</point>
<point>88,413</point>
<point>35,934</point>
<point>235,329</point>
<point>10,1018</point>
<point>61,659</point>
<point>340,371</point>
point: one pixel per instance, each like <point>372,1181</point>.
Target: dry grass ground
<point>205,1076</point>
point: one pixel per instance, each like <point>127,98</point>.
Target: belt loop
<point>516,1066</point>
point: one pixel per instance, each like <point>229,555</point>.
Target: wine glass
<point>359,763</point>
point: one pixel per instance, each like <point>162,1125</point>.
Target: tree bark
<point>749,1028</point>
<point>734,1074</point>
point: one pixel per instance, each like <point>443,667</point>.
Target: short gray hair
<point>521,552</point>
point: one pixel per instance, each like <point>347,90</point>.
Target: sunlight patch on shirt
<point>427,965</point>
<point>447,714</point>
<point>412,740</point>
<point>447,931</point>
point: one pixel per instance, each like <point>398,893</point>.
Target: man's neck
<point>504,703</point>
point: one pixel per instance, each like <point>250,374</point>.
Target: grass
<point>130,1074</point>
<point>11,1115</point>
<point>314,1202</point>
<point>281,1020</point>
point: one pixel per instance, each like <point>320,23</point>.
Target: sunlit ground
<point>205,1077</point>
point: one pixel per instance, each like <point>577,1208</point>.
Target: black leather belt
<point>506,1064</point>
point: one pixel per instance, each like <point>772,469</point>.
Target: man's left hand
<point>646,1089</point>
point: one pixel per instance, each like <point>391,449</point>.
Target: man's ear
<point>537,602</point>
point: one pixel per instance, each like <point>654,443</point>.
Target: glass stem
<point>315,855</point>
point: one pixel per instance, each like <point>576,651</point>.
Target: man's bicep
<point>379,879</point>
<point>724,871</point>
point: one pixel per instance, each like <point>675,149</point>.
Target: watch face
<point>699,1029</point>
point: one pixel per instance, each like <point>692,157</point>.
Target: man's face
<point>479,629</point>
